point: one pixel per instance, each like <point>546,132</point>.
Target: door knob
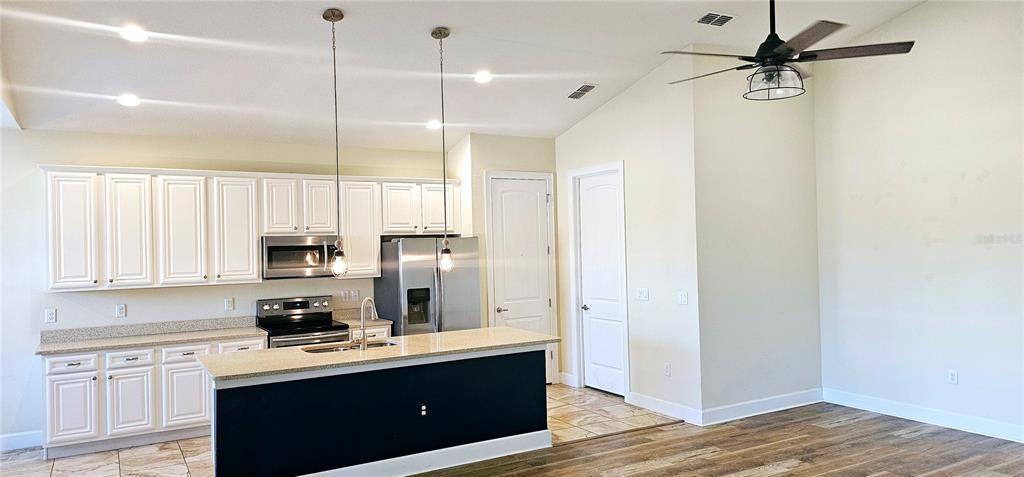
<point>500,309</point>
<point>585,307</point>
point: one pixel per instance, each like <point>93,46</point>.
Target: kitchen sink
<point>346,346</point>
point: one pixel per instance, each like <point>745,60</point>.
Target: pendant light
<point>445,262</point>
<point>339,263</point>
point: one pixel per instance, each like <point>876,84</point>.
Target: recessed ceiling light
<point>134,33</point>
<point>483,76</point>
<point>129,100</point>
<point>433,124</point>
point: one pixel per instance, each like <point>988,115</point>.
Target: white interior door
<point>520,258</point>
<point>600,242</point>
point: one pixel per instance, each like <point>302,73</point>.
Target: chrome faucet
<point>362,319</point>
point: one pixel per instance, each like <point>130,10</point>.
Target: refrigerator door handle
<point>437,303</point>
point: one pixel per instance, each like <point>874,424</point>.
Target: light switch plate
<point>120,310</point>
<point>643,294</point>
<point>50,315</point>
<point>229,304</point>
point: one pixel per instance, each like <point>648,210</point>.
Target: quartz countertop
<point>277,361</point>
<point>149,340</point>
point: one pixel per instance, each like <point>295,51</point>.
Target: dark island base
<point>312,425</point>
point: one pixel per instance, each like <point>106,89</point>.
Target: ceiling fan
<point>774,78</point>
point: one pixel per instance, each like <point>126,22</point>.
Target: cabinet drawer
<point>71,364</point>
<point>372,333</point>
<point>247,345</point>
<point>186,353</point>
<point>129,359</point>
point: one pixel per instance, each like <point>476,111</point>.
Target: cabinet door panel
<point>129,230</point>
<point>280,206</point>
<point>319,206</point>
<point>361,215</point>
<point>73,408</point>
<point>130,401</point>
<point>181,229</point>
<point>186,393</point>
<point>235,241</point>
<point>401,208</point>
<point>434,208</point>
<point>73,241</point>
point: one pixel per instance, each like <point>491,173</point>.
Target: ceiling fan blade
<point>856,51</point>
<point>740,67</point>
<point>808,37</point>
<point>804,71</point>
<point>722,55</point>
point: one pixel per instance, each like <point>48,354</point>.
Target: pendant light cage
<point>772,82</point>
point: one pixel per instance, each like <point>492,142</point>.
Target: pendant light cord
<point>444,149</point>
<point>337,142</point>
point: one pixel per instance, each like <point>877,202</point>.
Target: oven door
<point>297,257</point>
<point>308,339</point>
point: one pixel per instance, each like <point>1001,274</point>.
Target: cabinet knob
<point>307,227</point>
<point>111,280</point>
<point>415,226</point>
<point>586,308</point>
<point>295,228</point>
<point>218,275</point>
<point>95,281</point>
<point>108,378</point>
<point>204,277</point>
<point>94,378</point>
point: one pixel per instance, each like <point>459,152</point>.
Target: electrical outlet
<point>643,294</point>
<point>50,315</point>
<point>682,298</point>
<point>229,304</point>
<point>120,310</point>
<point>355,295</point>
<point>952,377</point>
<point>668,370</point>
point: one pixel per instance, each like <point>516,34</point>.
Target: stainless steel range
<point>299,321</point>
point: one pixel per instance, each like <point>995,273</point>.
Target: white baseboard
<point>449,457</point>
<point>731,412</point>
<point>668,408</point>
<point>67,450</point>
<point>570,380</point>
<point>938,417</point>
<point>20,440</point>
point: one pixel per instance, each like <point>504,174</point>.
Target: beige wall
<point>23,261</point>
<point>757,249</point>
<point>920,217</point>
<point>649,129</point>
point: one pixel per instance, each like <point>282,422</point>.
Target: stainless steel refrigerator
<point>410,286</point>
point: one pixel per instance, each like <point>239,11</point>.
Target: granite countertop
<point>278,361</point>
<point>149,340</point>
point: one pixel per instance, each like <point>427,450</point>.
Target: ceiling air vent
<point>582,90</point>
<point>714,19</point>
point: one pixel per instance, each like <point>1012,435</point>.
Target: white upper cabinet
<point>73,239</point>
<point>360,227</point>
<point>401,208</point>
<point>235,236</point>
<point>319,206</point>
<point>129,221</point>
<point>280,206</point>
<point>434,208</point>
<point>181,229</point>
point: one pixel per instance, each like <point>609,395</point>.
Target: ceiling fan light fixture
<point>773,82</point>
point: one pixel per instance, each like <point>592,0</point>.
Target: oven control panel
<point>293,306</point>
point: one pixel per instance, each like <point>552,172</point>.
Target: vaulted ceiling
<point>263,69</point>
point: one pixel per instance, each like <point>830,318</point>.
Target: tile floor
<point>573,414</point>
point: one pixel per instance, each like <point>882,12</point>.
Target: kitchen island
<point>423,402</point>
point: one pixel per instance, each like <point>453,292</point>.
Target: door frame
<point>549,179</point>
<point>575,285</point>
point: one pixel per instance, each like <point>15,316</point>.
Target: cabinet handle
<point>76,363</point>
<point>243,348</point>
<point>133,358</point>
<point>188,353</point>
<point>501,310</point>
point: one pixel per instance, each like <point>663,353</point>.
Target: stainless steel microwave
<point>306,256</point>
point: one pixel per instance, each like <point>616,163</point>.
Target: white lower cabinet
<point>130,403</point>
<point>72,412</point>
<point>186,393</point>
<point>146,391</point>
